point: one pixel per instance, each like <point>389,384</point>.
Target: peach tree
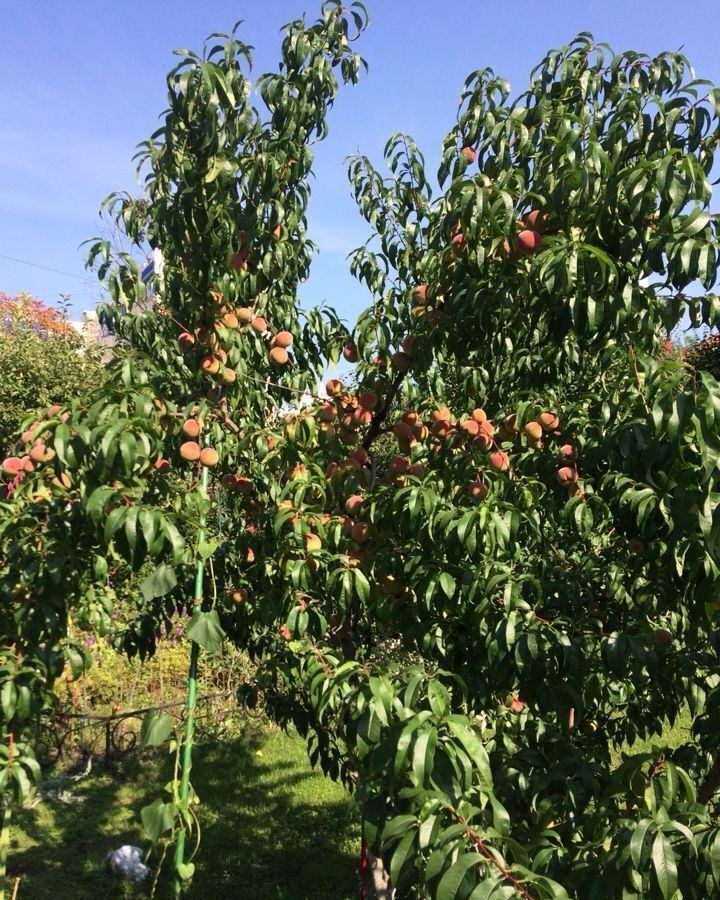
<point>483,580</point>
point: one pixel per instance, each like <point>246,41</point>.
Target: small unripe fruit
<point>190,451</point>
<point>209,457</point>
<point>279,356</point>
<point>191,428</point>
<point>259,324</point>
<point>277,232</point>
<point>566,476</point>
<point>527,242</point>
<point>239,596</point>
<point>499,460</point>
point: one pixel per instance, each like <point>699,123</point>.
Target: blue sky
<point>84,82</point>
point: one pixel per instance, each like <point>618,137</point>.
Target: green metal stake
<point>191,701</point>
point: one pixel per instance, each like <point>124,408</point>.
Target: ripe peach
<point>408,344</point>
<point>499,460</point>
<point>402,431</point>
<point>637,546</point>
<point>277,232</point>
<point>566,475</point>
<point>243,484</point>
<point>279,356</point>
<point>470,427</point>
<point>190,451</point>
<point>549,421</point>
<point>334,387</point>
<point>312,543</point>
<point>663,637</point>
<point>230,320</point>
<point>479,416</point>
<point>210,365</point>
<point>53,410</point>
<point>421,293</point>
<point>411,417</point>
<point>360,532</point>
<point>186,340</point>
<point>350,353</point>
<point>533,431</point>
<point>285,633</point>
<point>536,220</point>
<point>13,465</point>
<point>360,455</point>
<point>239,260</point>
<point>244,315</point>
<point>327,413</point>
<point>239,596</point>
<point>399,465</point>
<point>568,452</point>
<point>191,428</point>
<point>458,243</point>
<point>368,400</point>
<point>469,154</point>
<point>283,339</point>
<point>477,489</point>
<point>527,242</point>
<point>259,324</point>
<point>228,376</point>
<point>162,465</point>
<point>362,416</point>
<point>400,361</point>
<point>417,469</point>
<point>41,453</point>
<point>391,586</point>
<point>353,504</point>
<point>420,432</point>
<point>209,457</point>
<point>442,414</point>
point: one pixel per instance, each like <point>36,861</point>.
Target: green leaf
<point>664,865</point>
<point>473,745</point>
<point>159,582</point>
<point>157,818</point>
<point>400,857</point>
<point>155,729</point>
<point>205,629</point>
<point>455,875</point>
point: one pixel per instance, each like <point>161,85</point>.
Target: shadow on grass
<point>271,828</point>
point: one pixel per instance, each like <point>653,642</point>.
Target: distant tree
<point>704,355</point>
<point>42,361</point>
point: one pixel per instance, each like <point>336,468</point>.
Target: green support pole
<point>191,701</point>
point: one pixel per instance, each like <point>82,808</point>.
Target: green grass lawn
<point>272,827</point>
